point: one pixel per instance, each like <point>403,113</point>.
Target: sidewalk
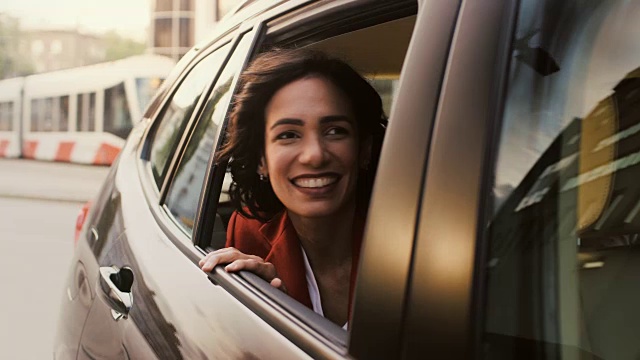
<point>54,181</point>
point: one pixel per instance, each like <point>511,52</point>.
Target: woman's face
<point>311,148</point>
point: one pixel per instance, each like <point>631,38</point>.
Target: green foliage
<point>119,47</point>
<point>12,64</point>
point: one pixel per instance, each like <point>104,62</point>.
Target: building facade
<point>51,50</point>
<point>177,25</point>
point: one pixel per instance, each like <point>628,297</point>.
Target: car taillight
<point>82,217</point>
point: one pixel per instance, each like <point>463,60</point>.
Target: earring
<point>263,177</point>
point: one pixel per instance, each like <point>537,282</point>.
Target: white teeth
<point>315,182</point>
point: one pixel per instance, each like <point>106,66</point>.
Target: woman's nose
<point>313,152</point>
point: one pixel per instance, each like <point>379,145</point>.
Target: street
<point>39,203</point>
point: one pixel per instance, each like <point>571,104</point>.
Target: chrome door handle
<point>114,289</point>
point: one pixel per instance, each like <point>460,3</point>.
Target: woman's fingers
<point>278,284</point>
<point>224,256</point>
<point>256,265</point>
<point>238,260</point>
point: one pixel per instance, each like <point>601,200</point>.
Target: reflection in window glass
<point>174,120</point>
<point>564,254</point>
<point>117,119</point>
<point>146,88</point>
<point>387,87</point>
<point>184,193</point>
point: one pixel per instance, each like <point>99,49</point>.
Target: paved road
<point>39,203</point>
<point>50,180</point>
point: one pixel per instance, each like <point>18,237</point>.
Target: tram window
<point>184,193</point>
<point>40,111</point>
<point>86,112</point>
<point>177,112</point>
<point>63,120</point>
<point>46,119</point>
<point>6,116</point>
<point>117,119</point>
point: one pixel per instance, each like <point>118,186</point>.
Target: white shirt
<point>312,285</point>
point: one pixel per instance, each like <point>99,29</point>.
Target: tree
<point>119,47</point>
<point>12,63</point>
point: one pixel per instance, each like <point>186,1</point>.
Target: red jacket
<point>276,241</point>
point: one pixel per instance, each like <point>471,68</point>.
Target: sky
<point>129,18</point>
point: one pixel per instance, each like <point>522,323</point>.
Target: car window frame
<point>457,189</point>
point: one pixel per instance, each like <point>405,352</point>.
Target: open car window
<point>376,51</point>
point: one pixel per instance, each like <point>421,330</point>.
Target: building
<point>51,50</point>
<point>176,25</point>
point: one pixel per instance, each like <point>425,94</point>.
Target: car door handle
<point>114,289</point>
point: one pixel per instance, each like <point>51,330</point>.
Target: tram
<point>80,115</point>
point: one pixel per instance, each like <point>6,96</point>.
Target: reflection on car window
<point>184,193</point>
<point>178,111</point>
<point>563,263</point>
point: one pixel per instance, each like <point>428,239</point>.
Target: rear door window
<point>177,112</point>
<point>184,193</point>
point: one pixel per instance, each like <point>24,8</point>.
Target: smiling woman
<point>304,138</point>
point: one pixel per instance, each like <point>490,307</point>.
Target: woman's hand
<point>238,260</point>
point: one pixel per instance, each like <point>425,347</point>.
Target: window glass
<point>564,261</point>
<point>186,5</point>
<point>117,119</point>
<point>177,112</point>
<point>184,193</point>
<point>163,33</point>
<point>46,119</point>
<point>92,112</point>
<point>186,32</point>
<point>63,120</point>
<point>146,88</point>
<point>85,120</point>
<point>6,116</point>
<point>35,114</point>
<point>164,5</point>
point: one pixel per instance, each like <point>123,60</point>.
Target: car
<point>504,218</point>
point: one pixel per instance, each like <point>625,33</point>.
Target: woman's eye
<point>287,135</point>
<point>337,132</point>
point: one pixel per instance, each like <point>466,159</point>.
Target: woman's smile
<point>311,181</point>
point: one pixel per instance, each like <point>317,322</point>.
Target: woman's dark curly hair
<point>244,145</point>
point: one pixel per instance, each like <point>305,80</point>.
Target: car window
<point>563,255</point>
<point>184,193</point>
<point>175,116</point>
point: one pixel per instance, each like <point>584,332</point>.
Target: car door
<point>127,318</point>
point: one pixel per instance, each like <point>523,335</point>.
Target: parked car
<point>504,219</point>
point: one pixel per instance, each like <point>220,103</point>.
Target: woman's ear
<point>262,167</point>
<point>365,152</point>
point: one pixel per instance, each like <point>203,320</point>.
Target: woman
<point>304,136</point>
